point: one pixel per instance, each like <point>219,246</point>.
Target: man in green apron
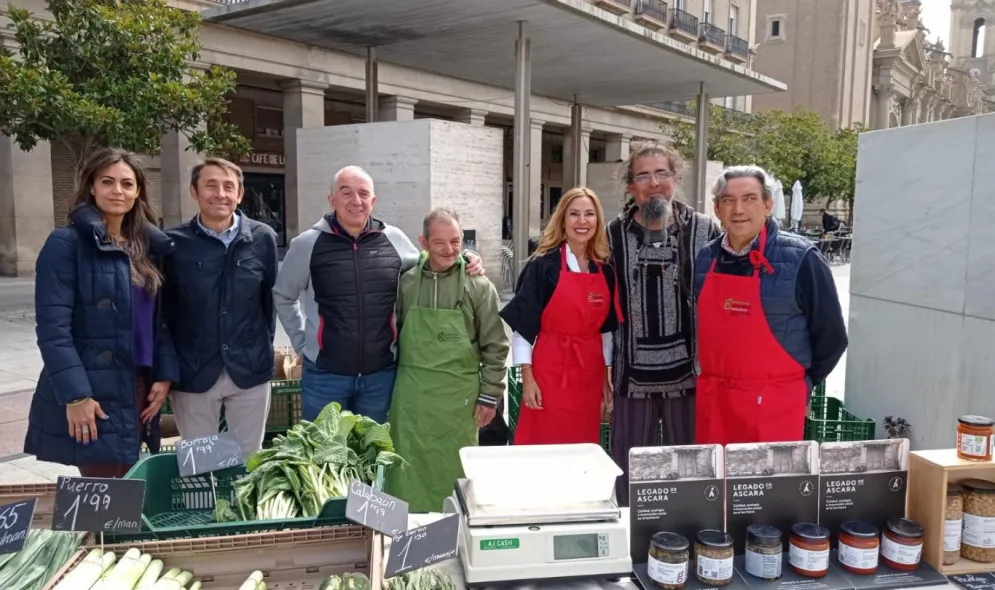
<point>452,352</point>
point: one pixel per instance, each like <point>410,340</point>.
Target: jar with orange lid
<point>859,547</point>
<point>901,544</point>
<point>808,550</point>
<point>974,438</point>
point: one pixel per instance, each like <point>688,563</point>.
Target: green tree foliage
<point>791,146</point>
<point>113,73</point>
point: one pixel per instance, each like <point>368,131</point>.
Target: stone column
<point>908,112</point>
<point>884,107</point>
<point>27,207</point>
<point>574,178</point>
<point>175,165</point>
<point>470,117</point>
<point>617,147</point>
<point>397,108</point>
<point>535,177</point>
<point>303,106</point>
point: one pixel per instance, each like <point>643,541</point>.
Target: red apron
<point>750,389</point>
<point>568,362</point>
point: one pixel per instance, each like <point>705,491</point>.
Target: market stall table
<point>455,570</point>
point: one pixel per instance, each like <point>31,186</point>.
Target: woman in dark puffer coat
<point>108,360</point>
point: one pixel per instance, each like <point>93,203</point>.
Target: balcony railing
<point>652,9</point>
<point>712,34</point>
<point>684,21</point>
<point>737,46</point>
<point>687,109</point>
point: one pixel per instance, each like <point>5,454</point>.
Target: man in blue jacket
<point>218,297</point>
<point>769,319</point>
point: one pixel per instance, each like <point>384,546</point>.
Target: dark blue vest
<point>777,291</point>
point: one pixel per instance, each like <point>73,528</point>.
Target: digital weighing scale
<point>516,542</point>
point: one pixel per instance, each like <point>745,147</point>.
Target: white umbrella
<point>797,204</point>
<point>778,200</point>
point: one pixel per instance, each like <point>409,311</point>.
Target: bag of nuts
<point>978,539</point>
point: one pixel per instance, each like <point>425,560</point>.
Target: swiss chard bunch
<point>312,463</point>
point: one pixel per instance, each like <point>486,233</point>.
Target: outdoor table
<point>454,568</point>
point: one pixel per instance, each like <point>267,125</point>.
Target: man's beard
<point>656,210</point>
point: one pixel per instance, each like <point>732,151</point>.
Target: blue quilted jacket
<point>84,327</point>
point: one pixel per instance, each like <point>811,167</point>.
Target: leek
<point>195,586</point>
<point>86,572</point>
<point>150,576</point>
<point>173,580</point>
<point>253,582</point>
<point>127,572</point>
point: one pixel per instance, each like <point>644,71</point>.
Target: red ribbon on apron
<point>750,389</point>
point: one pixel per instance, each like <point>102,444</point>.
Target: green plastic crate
<point>183,507</point>
<point>515,403</point>
<point>829,421</point>
<point>285,406</point>
<point>820,390</point>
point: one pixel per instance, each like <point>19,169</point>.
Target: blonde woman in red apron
<point>563,313</point>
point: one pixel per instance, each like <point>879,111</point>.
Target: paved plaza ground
<point>20,364</point>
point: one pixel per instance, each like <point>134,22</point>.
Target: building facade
<point>972,40</point>
<point>914,80</point>
<point>284,86</point>
<point>867,61</point>
<point>822,49</point>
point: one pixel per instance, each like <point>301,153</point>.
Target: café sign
<point>263,159</point>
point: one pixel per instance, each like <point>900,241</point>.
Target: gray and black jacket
<point>348,287</point>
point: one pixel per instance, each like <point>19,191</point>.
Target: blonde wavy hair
<point>556,230</point>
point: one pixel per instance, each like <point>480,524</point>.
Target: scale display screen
<point>584,546</point>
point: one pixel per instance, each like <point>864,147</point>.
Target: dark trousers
<point>637,423</point>
<point>497,433</point>
<point>118,470</point>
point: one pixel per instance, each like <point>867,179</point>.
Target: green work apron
<point>435,393</point>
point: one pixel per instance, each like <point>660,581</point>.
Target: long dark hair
<point>134,227</point>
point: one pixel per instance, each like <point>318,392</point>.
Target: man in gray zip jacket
<point>347,268</point>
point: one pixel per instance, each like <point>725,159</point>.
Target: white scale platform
<point>515,542</point>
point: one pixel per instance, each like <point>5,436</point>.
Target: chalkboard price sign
<point>98,505</point>
<point>15,521</point>
<point>208,453</point>
<point>375,509</point>
<point>981,581</point>
<point>423,546</point>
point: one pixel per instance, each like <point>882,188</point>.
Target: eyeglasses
<point>661,176</point>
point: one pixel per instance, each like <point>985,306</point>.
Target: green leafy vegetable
<point>423,579</point>
<point>312,463</point>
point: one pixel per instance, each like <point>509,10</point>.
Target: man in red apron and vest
<point>769,319</point>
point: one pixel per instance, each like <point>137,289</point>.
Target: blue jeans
<point>366,395</point>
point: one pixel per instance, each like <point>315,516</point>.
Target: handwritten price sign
<point>208,454</point>
<point>98,505</point>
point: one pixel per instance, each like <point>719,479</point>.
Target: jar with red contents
<point>808,550</point>
<point>901,544</point>
<point>859,547</point>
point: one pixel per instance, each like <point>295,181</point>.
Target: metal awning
<point>579,52</point>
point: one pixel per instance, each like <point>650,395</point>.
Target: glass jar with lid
<point>713,554</point>
<point>859,547</point>
<point>974,438</point>
<point>668,560</point>
<point>901,544</point>
<point>953,523</point>
<point>808,551</point>
<point>764,551</point>
<point>978,541</point>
